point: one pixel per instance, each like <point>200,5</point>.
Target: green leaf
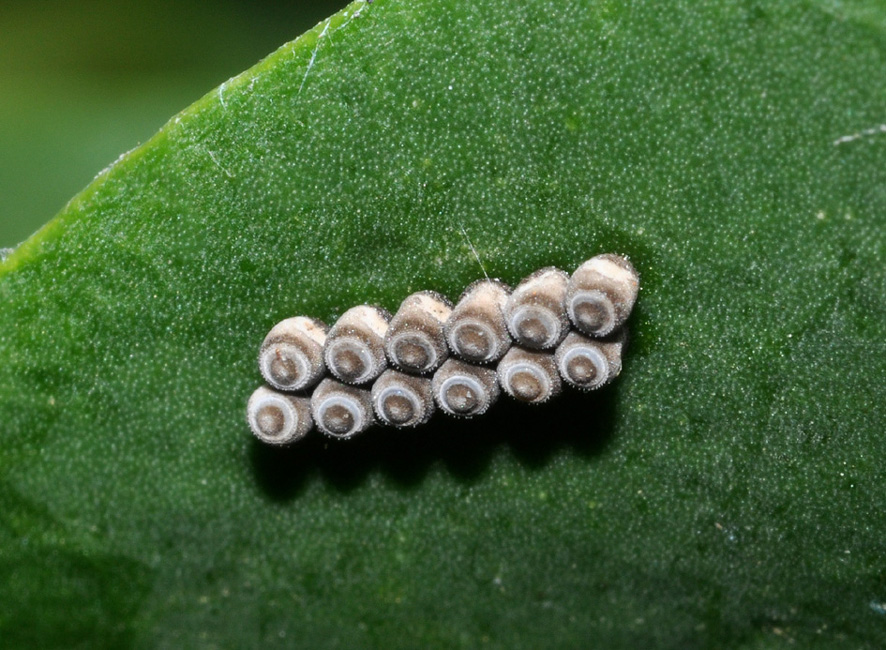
<point>82,81</point>
<point>726,492</point>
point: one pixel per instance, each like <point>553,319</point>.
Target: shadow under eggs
<point>580,422</point>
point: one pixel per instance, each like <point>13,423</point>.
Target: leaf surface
<point>726,492</point>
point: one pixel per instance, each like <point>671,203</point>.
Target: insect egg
<point>588,363</point>
<point>339,410</point>
<point>476,330</point>
<point>278,419</point>
<point>456,358</point>
<point>536,310</point>
<point>354,350</point>
<point>402,400</point>
<point>601,294</point>
<point>415,342</point>
<point>529,376</point>
<point>463,389</point>
<point>291,356</point>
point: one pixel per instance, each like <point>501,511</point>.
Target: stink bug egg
<point>515,342</point>
<point>476,330</point>
<point>463,389</point>
<point>291,356</point>
<point>339,410</point>
<point>354,350</point>
<point>415,341</point>
<point>601,294</point>
<point>588,363</point>
<point>278,419</point>
<point>529,376</point>
<point>402,400</point>
<point>536,310</point>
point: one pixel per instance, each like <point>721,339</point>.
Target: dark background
<point>82,82</point>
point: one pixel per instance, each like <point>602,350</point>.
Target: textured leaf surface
<point>727,492</point>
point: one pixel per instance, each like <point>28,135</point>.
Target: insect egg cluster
<point>372,367</point>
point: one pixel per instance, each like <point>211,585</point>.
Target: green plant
<point>726,492</point>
